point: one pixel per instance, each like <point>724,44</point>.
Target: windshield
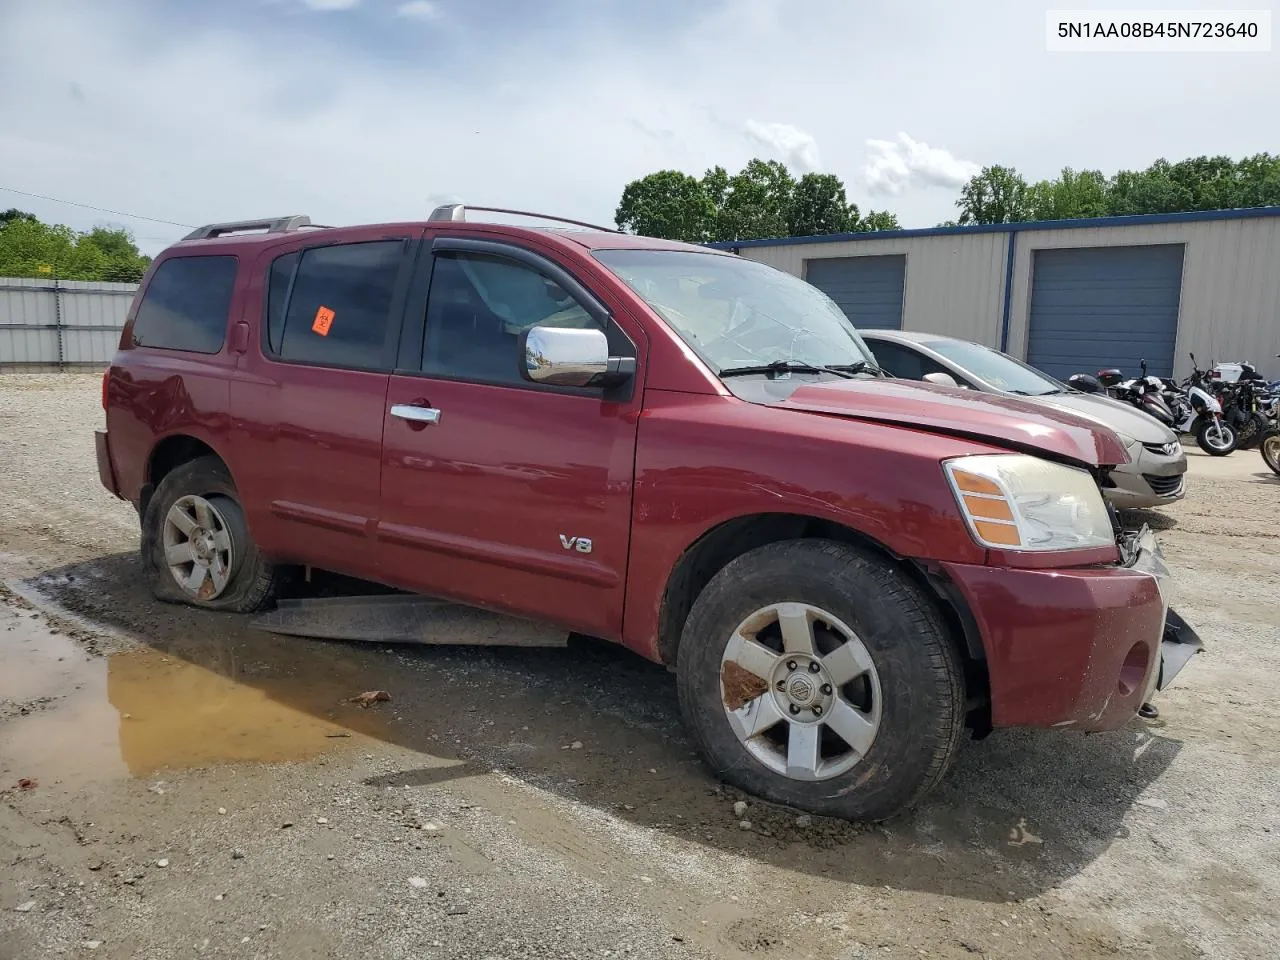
<point>998,369</point>
<point>734,312</point>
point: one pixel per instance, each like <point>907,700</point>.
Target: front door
<point>495,491</point>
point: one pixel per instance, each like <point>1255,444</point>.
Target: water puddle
<point>72,718</point>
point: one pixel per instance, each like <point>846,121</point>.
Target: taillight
<point>106,377</point>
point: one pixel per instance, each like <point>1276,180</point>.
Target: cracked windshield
<point>736,313</point>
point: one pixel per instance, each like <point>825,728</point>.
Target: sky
<point>376,110</point>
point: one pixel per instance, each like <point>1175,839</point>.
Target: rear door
<point>308,400</point>
<point>496,491</point>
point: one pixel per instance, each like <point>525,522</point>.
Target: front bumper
<point>1150,478</point>
<point>1080,648</point>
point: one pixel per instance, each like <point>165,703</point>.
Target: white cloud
<point>895,166</point>
<point>325,5</point>
<point>797,149</point>
<point>418,10</point>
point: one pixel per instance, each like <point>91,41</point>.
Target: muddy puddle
<point>72,718</point>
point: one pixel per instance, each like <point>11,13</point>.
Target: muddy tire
<point>196,543</point>
<point>1217,440</point>
<point>815,635</point>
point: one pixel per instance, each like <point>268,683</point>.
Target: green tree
<point>819,206</point>
<point>30,248</point>
<point>877,220</point>
<point>12,214</point>
<point>1258,181</point>
<point>994,195</point>
<point>1134,192</point>
<point>757,203</point>
<point>1071,196</point>
<point>667,204</point>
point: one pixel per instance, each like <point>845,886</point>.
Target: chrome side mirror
<point>941,379</point>
<point>571,357</point>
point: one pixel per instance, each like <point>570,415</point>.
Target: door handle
<point>408,411</point>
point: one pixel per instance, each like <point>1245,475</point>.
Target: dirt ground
<point>174,784</point>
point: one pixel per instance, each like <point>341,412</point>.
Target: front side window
<point>734,312</point>
<point>476,310</point>
<point>186,305</point>
<point>904,363</point>
<point>332,305</point>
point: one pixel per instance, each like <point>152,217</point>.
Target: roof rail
<point>457,213</point>
<point>270,225</point>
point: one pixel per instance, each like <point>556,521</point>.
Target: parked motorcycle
<point>1243,412</point>
<point>1144,392</point>
<point>1270,447</point>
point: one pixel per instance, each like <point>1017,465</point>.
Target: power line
<point>87,206</point>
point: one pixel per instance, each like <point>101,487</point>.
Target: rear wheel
<point>1271,449</point>
<point>816,675</point>
<point>1215,437</point>
<point>197,544</point>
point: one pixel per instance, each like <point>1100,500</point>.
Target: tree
<point>667,204</point>
<point>1258,181</point>
<point>29,248</point>
<point>819,206</point>
<point>14,214</point>
<point>877,220</point>
<point>757,203</point>
<point>994,195</point>
<point>1072,195</point>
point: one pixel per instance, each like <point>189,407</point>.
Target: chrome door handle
<point>407,411</point>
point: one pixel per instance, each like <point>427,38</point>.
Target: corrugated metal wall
<point>955,283</point>
<point>1230,304</point>
<point>72,322</point>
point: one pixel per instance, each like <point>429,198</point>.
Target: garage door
<point>868,289</point>
<point>1099,307</point>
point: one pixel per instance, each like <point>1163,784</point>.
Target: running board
<point>405,618</point>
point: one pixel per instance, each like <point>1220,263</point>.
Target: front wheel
<point>1215,437</point>
<point>815,675</point>
<point>1270,447</point>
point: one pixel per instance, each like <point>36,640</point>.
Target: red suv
<point>670,447</point>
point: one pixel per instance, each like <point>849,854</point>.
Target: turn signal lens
<point>1020,502</point>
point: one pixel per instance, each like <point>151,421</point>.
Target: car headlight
<point>1019,502</point>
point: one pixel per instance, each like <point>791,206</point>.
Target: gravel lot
<point>203,789</point>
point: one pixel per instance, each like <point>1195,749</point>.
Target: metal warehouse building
<point>1067,296</point>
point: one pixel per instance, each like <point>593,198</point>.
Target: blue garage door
<point>1099,307</point>
<point>868,289</point>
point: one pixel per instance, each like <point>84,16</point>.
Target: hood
<point>1120,417</point>
<point>1005,421</point>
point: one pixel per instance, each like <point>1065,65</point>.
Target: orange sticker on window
<point>322,322</point>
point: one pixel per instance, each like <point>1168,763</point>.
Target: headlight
<point>1018,502</point>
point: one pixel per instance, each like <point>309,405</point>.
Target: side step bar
<point>405,618</point>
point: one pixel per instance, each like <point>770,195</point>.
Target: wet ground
<point>529,803</point>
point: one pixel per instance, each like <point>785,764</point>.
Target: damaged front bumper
<point>1179,642</point>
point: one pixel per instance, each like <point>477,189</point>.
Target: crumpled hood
<point>1005,421</point>
<point>1120,417</point>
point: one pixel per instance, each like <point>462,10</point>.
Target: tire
<point>914,689</point>
<point>1270,447</point>
<point>1202,432</point>
<point>238,577</point>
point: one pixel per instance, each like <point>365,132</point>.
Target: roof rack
<point>457,213</point>
<point>270,225</point>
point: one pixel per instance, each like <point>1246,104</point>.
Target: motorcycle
<point>1270,448</point>
<point>1144,392</point>
<point>1243,411</point>
<point>1202,414</point>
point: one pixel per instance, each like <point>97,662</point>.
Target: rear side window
<point>332,305</point>
<point>186,305</point>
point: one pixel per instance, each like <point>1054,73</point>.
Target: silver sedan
<point>1156,472</point>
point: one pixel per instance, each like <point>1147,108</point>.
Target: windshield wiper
<point>861,366</point>
<point>786,366</point>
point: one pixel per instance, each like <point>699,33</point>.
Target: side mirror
<point>941,379</point>
<point>571,357</point>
